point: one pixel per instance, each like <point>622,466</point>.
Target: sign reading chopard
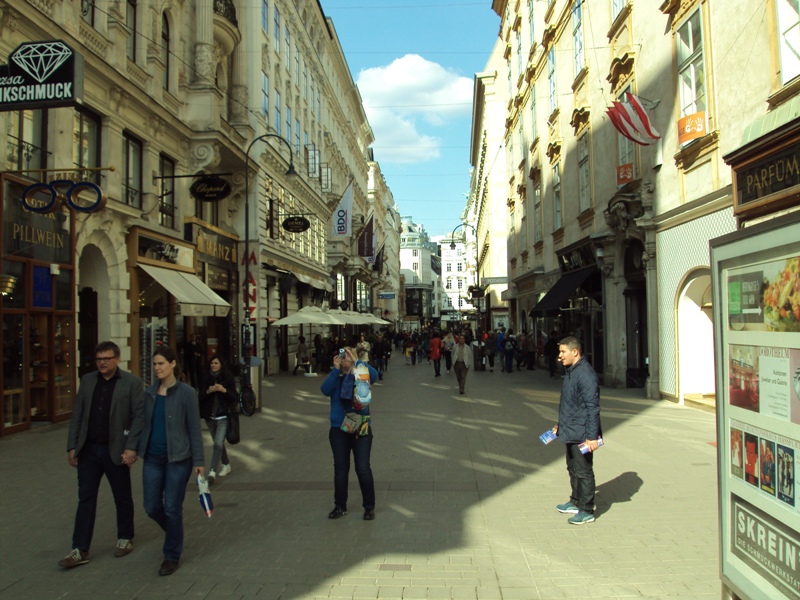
<point>41,75</point>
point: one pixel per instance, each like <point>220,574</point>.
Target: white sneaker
<point>224,470</point>
<point>212,475</point>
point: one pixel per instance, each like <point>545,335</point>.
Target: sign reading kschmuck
<point>41,75</point>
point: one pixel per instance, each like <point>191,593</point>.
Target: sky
<point>414,63</point>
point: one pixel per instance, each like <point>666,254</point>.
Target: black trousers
<point>581,477</point>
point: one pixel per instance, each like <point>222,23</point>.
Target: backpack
<point>510,344</point>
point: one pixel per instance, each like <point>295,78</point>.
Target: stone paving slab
<point>465,492</point>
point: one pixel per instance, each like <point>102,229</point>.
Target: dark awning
<point>562,290</point>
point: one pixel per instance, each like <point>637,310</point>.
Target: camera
<point>341,353</point>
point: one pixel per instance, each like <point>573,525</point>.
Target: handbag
<point>232,435</point>
<point>355,424</point>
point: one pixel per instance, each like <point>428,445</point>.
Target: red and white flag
<point>632,121</point>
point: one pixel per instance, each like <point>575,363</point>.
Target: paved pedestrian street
<point>466,497</point>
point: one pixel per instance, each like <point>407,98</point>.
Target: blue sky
<point>414,64</point>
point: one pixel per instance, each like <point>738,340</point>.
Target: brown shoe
<point>124,547</point>
<point>74,558</point>
<point>168,567</point>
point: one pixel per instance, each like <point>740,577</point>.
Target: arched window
<point>165,49</point>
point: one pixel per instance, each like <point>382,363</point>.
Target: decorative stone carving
<point>205,155</point>
<point>204,63</point>
<point>118,98</point>
<point>8,18</point>
<point>622,211</point>
<point>156,126</point>
<point>239,103</point>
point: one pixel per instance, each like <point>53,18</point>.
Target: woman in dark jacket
<point>217,398</point>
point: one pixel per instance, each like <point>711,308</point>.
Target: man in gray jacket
<point>579,422</point>
<point>107,419</point>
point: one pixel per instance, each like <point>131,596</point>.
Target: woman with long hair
<point>172,448</point>
<point>217,398</point>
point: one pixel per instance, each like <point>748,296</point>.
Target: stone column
<point>204,59</point>
<point>651,282</point>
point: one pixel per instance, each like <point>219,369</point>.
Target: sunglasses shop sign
<point>41,75</point>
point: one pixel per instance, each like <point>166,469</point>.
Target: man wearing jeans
<point>107,419</point>
<point>578,422</point>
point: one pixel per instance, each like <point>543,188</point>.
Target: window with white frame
<point>415,266</point>
<point>278,112</point>
<point>551,78</point>
<point>449,284</point>
<point>789,38</point>
<point>287,47</point>
<point>537,213</point>
<point>519,52</point>
<point>449,267</point>
<point>460,267</point>
<point>265,96</point>
<point>86,142</point>
<point>415,252</point>
<point>584,173</point>
<point>276,32</point>
<point>616,7</point>
<point>691,69</point>
<point>460,283</point>
<point>557,219</point>
<point>531,28</point>
<point>577,36</point>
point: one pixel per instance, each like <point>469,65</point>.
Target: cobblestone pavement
<point>466,496</point>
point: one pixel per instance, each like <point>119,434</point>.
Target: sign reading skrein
<point>41,75</point>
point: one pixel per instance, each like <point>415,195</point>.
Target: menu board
<point>756,297</point>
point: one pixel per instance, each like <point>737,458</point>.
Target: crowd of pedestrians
<point>116,420</point>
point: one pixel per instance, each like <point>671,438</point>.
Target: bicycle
<point>247,400</point>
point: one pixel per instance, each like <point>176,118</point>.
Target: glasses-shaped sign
<point>80,196</point>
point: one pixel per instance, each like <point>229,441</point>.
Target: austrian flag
<point>631,120</point>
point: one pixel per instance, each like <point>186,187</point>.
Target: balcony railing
<point>225,8</point>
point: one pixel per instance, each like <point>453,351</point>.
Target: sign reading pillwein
<point>41,75</point>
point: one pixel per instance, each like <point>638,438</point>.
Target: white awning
<point>195,297</point>
<point>313,282</point>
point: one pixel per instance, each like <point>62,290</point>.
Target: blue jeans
<point>342,444</point>
<point>94,461</point>
<point>218,429</point>
<point>164,486</point>
<point>581,478</point>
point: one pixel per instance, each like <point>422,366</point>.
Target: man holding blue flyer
<point>578,425</point>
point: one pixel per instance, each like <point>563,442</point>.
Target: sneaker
<point>224,470</point>
<point>337,512</point>
<point>369,515</point>
<point>123,548</point>
<point>581,518</point>
<point>567,508</point>
<point>74,558</point>
<point>212,475</point>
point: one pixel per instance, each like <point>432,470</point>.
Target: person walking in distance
<point>107,420</point>
<point>448,343</point>
<point>171,445</point>
<point>462,362</point>
<point>218,398</point>
<point>436,354</point>
<point>578,422</point>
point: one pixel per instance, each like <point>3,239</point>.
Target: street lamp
<point>247,345</point>
<point>477,289</point>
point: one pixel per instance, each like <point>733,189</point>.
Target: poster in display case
<point>756,298</point>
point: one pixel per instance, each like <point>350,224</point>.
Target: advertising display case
<point>756,303</point>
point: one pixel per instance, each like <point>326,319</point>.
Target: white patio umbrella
<point>348,317</point>
<point>312,315</point>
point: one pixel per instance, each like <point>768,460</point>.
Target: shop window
<point>64,293</point>
<point>166,196</point>
<point>17,296</point>
<point>132,171</point>
<point>86,142</point>
<point>15,408</point>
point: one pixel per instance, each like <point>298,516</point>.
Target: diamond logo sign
<point>42,59</point>
<point>41,75</point>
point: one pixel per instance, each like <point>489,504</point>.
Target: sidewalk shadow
<point>620,489</point>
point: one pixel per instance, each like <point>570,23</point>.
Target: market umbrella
<point>347,317</point>
<point>309,315</point>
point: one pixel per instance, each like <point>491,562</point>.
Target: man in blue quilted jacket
<point>578,422</point>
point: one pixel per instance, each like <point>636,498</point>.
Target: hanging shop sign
<point>210,189</point>
<point>296,224</point>
<point>41,75</point>
<point>80,196</point>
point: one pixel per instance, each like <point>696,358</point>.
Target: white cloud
<point>408,102</point>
